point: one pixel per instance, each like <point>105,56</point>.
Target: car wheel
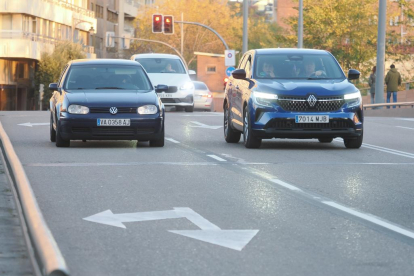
<point>189,108</point>
<point>52,130</point>
<point>325,140</point>
<point>159,142</point>
<point>60,142</point>
<point>179,108</point>
<point>250,141</point>
<point>354,143</point>
<point>230,135</point>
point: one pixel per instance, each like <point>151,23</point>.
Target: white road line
<point>387,150</point>
<point>216,157</point>
<point>172,140</point>
<point>371,218</point>
<point>406,127</point>
<point>405,119</point>
<point>284,184</point>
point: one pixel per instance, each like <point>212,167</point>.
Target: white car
<point>169,70</point>
<point>203,98</point>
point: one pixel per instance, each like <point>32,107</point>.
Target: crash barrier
<point>46,256</point>
<point>389,104</point>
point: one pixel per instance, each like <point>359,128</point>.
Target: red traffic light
<point>168,24</point>
<point>157,23</point>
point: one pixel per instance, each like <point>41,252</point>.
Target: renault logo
<point>113,110</point>
<point>312,100</point>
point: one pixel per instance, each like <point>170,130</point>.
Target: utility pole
<point>379,82</point>
<point>245,17</point>
<point>300,25</point>
<point>182,34</point>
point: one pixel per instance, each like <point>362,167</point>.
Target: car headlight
<point>78,109</point>
<point>265,98</point>
<point>187,86</point>
<point>147,109</point>
<point>353,99</point>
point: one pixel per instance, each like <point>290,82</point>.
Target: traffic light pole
<point>207,27</point>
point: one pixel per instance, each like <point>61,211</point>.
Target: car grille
<point>334,124</point>
<point>323,104</point>
<point>172,89</point>
<point>106,109</point>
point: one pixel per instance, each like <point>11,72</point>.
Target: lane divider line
<point>172,140</point>
<point>216,157</point>
<point>284,184</point>
<point>405,127</point>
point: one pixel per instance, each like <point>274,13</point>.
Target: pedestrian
<point>392,80</point>
<point>371,83</point>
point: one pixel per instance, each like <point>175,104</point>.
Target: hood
<point>169,79</point>
<point>393,70</point>
<point>106,98</point>
<point>305,87</point>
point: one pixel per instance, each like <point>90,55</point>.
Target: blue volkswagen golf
<point>292,93</point>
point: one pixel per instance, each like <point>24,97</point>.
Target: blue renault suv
<point>292,93</point>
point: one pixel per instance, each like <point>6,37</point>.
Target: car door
<point>236,107</point>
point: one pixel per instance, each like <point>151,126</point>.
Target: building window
<point>211,69</point>
<point>99,11</point>
<point>112,17</point>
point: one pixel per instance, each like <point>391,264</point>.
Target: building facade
<point>30,27</point>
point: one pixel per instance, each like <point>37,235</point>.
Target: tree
<point>51,65</point>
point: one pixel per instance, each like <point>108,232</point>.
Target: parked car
<point>105,99</point>
<point>170,70</point>
<point>203,98</point>
<point>292,93</point>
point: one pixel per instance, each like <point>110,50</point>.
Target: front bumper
<point>277,123</point>
<point>79,127</point>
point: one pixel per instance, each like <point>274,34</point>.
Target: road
<point>307,208</point>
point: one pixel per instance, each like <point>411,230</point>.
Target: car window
<point>162,65</point>
<point>104,77</point>
<point>243,62</point>
<point>248,67</point>
<point>200,86</point>
<point>297,66</point>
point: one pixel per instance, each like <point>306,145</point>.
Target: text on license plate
<point>312,119</point>
<point>165,95</point>
<point>114,122</point>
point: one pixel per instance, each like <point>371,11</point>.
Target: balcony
<point>72,7</point>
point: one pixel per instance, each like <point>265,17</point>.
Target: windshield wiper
<point>109,87</point>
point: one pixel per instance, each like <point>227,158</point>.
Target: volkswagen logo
<point>113,110</point>
<point>312,100</point>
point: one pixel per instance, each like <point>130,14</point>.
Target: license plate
<point>165,95</point>
<point>312,119</point>
<point>114,122</point>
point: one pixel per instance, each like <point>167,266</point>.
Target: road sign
<point>233,239</point>
<point>229,70</point>
<point>230,57</point>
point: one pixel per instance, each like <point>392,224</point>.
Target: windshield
<point>162,65</point>
<point>297,66</point>
<point>106,77</point>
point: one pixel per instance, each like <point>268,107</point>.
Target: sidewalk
<point>14,260</point>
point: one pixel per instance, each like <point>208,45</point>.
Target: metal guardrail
<point>389,104</point>
<point>47,255</point>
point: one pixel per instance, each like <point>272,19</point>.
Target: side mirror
<point>161,88</point>
<point>53,86</point>
<point>239,74</point>
<point>353,74</point>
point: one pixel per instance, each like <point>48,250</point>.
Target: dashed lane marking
<point>172,140</point>
<point>217,158</point>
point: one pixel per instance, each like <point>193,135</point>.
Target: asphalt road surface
<point>200,206</point>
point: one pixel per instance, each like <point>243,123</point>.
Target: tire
<point>230,135</point>
<point>354,143</point>
<point>325,140</point>
<point>250,141</point>
<point>189,108</point>
<point>52,130</point>
<point>159,142</point>
<point>60,142</point>
<point>179,108</point>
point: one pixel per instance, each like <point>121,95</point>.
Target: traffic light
<point>168,24</point>
<point>157,23</point>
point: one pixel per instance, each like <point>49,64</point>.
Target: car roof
<point>154,55</point>
<point>289,51</point>
<point>103,61</point>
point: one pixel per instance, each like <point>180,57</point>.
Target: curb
<point>45,254</point>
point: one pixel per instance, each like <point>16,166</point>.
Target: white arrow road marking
<point>233,239</point>
<point>198,124</point>
<point>34,124</point>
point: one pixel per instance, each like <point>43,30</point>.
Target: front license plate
<point>165,95</point>
<point>312,119</point>
<point>114,122</point>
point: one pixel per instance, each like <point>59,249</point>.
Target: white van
<point>169,70</point>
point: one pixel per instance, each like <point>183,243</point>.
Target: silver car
<point>203,98</point>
